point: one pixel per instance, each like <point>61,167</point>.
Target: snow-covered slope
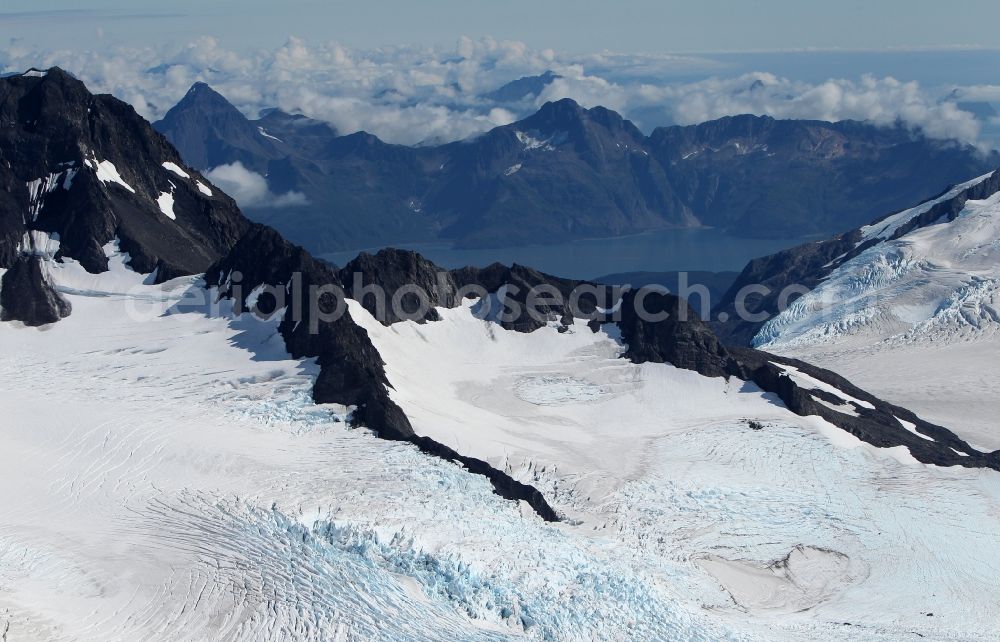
<point>166,476</point>
<point>915,316</point>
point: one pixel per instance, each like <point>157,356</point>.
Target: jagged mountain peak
<point>202,104</point>
<point>202,96</point>
<point>211,131</point>
<point>565,113</point>
<point>597,129</point>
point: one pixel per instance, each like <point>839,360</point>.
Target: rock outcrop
<point>28,297</point>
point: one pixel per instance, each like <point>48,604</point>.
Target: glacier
<point>915,319</point>
<point>166,475</point>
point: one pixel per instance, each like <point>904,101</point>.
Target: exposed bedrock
<point>28,297</point>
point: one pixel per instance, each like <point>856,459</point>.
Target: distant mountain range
<point>567,172</point>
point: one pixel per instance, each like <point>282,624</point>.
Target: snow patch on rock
<point>176,169</point>
<point>532,143</point>
<point>166,202</point>
<point>107,172</point>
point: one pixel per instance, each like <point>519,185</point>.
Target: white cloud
<point>416,94</point>
<point>883,101</point>
<point>249,189</point>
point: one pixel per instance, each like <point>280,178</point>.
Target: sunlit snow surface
<point>916,320</point>
<point>107,172</point>
<point>166,202</point>
<point>170,479</point>
<point>175,169</point>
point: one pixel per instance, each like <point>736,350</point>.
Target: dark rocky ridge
<point>807,265</point>
<point>519,281</point>
<point>391,270</point>
<point>54,134</point>
<point>567,172</point>
<point>691,344</point>
<point>680,339</point>
<point>351,370</point>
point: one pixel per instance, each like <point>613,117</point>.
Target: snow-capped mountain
<point>907,304</point>
<point>566,172</point>
<point>191,453</point>
<point>928,272</point>
<point>81,171</point>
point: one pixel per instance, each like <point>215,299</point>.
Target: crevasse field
<point>171,478</point>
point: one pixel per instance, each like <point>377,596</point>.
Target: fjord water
<point>705,249</point>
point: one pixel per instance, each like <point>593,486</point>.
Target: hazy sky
<point>572,26</point>
<point>656,62</point>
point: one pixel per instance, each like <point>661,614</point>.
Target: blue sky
<point>577,26</point>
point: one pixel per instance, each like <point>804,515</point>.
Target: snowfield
<point>915,320</point>
<point>169,478</point>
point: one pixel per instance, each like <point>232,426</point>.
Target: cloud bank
<point>416,95</point>
<point>249,189</point>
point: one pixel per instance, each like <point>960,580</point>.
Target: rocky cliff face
<point>86,170</point>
